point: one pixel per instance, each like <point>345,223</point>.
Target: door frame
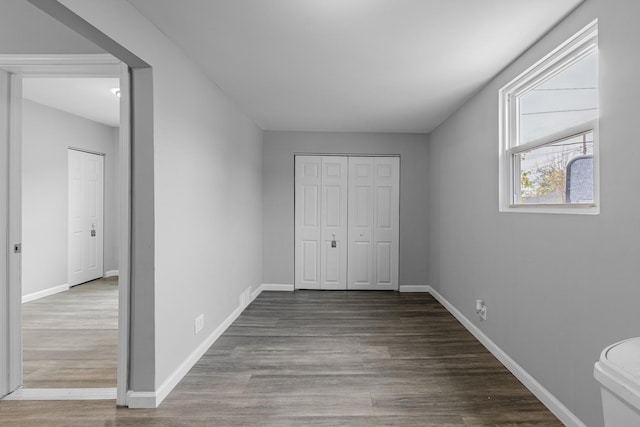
<point>347,155</point>
<point>94,65</point>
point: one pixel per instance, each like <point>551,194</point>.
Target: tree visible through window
<point>543,171</point>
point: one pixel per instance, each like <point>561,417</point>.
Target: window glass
<point>565,100</point>
<point>557,173</point>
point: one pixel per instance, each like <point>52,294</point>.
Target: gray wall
<point>559,288</point>
<point>24,29</point>
<point>278,186</point>
<point>47,133</point>
<point>207,200</point>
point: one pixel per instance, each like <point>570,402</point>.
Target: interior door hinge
<point>17,248</point>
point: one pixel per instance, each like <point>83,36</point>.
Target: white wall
<point>559,288</point>
<point>207,198</point>
<point>278,186</point>
<point>47,133</point>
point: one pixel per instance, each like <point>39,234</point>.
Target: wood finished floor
<point>327,359</point>
<point>70,339</point>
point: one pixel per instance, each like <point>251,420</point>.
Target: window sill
<point>572,209</point>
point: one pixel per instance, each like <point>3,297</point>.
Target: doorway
<point>347,222</point>
<point>68,67</point>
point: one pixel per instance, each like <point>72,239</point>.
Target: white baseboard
<point>271,287</point>
<point>414,288</point>
<point>142,399</point>
<point>45,293</point>
<point>257,292</point>
<point>567,417</point>
<point>112,273</point>
<point>277,287</point>
<point>154,399</point>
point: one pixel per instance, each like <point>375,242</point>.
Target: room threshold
<point>62,394</point>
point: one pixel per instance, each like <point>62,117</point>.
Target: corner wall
<point>47,133</point>
<point>278,189</point>
<point>559,288</point>
<point>207,201</point>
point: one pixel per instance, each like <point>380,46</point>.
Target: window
<point>549,132</point>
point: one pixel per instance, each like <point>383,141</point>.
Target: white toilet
<point>618,372</point>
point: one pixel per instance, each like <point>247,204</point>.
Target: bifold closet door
<point>346,222</point>
<point>374,200</point>
<point>321,222</point>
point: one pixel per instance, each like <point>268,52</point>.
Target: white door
<point>86,199</point>
<point>321,222</point>
<point>374,200</point>
<point>347,222</point>
<point>308,187</point>
<point>386,222</point>
<point>361,245</point>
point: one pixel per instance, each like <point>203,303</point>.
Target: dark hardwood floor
<point>70,339</point>
<point>327,359</point>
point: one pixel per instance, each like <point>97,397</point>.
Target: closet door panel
<point>361,243</point>
<point>308,186</point>
<point>386,220</point>
<point>333,260</point>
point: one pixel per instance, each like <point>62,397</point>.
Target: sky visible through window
<point>566,100</point>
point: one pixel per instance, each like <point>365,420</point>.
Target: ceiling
<point>353,65</point>
<point>25,29</point>
<point>90,98</point>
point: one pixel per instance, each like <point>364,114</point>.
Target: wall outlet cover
<point>198,324</point>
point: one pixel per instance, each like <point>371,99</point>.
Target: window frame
<point>564,56</point>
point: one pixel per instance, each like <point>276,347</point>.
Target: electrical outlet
<point>481,309</point>
<point>198,324</point>
<point>483,313</point>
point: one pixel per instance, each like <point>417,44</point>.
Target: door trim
<point>15,232</point>
<point>20,66</point>
<point>82,150</point>
<point>124,263</point>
